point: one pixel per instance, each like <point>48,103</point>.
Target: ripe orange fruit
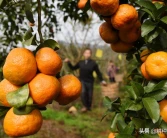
<point>20,66</point>
<point>162,135</point>
<point>131,35</point>
<point>70,89</point>
<point>156,65</point>
<point>121,47</point>
<point>163,109</point>
<point>22,125</point>
<point>144,54</point>
<point>144,73</point>
<point>48,61</point>
<point>111,135</point>
<point>107,33</point>
<point>82,3</point>
<point>105,7</point>
<point>43,89</point>
<point>125,17</point>
<point>5,87</point>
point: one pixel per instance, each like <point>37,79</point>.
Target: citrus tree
<point>138,28</point>
<point>31,78</point>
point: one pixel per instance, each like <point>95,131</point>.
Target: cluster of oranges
<point>22,67</point>
<point>121,27</point>
<point>154,67</point>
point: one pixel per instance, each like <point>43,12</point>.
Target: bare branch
<point>39,21</point>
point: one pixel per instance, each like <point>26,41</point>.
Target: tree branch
<point>39,21</point>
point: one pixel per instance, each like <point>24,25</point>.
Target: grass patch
<point>87,125</point>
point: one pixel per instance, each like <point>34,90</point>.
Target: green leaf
<point>128,129</point>
<point>149,12</point>
<point>1,2</point>
<point>29,101</point>
<point>164,19</point>
<point>147,4</point>
<point>117,117</point>
<point>163,40</point>
<point>147,27</point>
<point>135,106</point>
<point>121,125</point>
<point>131,92</point>
<point>152,108</point>
<point>139,123</point>
<point>28,34</point>
<point>52,44</point>
<point>163,125</point>
<point>158,5</point>
<point>154,86</point>
<point>157,95</point>
<point>28,11</point>
<point>29,16</point>
<point>108,102</point>
<point>23,110</point>
<point>30,41</point>
<point>160,85</point>
<point>153,35</point>
<point>138,89</point>
<point>161,11</point>
<point>19,97</point>
<point>49,43</point>
<point>126,103</point>
<point>149,124</point>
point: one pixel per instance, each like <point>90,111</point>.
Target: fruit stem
<point>39,21</point>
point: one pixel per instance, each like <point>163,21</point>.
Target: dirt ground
<point>57,132</point>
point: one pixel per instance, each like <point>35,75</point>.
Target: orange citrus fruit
<point>43,89</point>
<point>144,73</point>
<point>125,17</point>
<point>111,135</point>
<point>163,109</point>
<point>107,33</point>
<point>104,7</point>
<point>131,35</point>
<point>6,87</point>
<point>70,89</point>
<point>20,66</point>
<point>48,61</point>
<point>82,3</point>
<point>121,47</point>
<point>156,65</point>
<point>162,135</point>
<point>144,54</point>
<point>22,125</point>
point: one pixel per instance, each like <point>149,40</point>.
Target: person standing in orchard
<point>86,67</point>
<point>111,71</point>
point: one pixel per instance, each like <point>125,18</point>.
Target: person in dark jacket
<point>86,67</point>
